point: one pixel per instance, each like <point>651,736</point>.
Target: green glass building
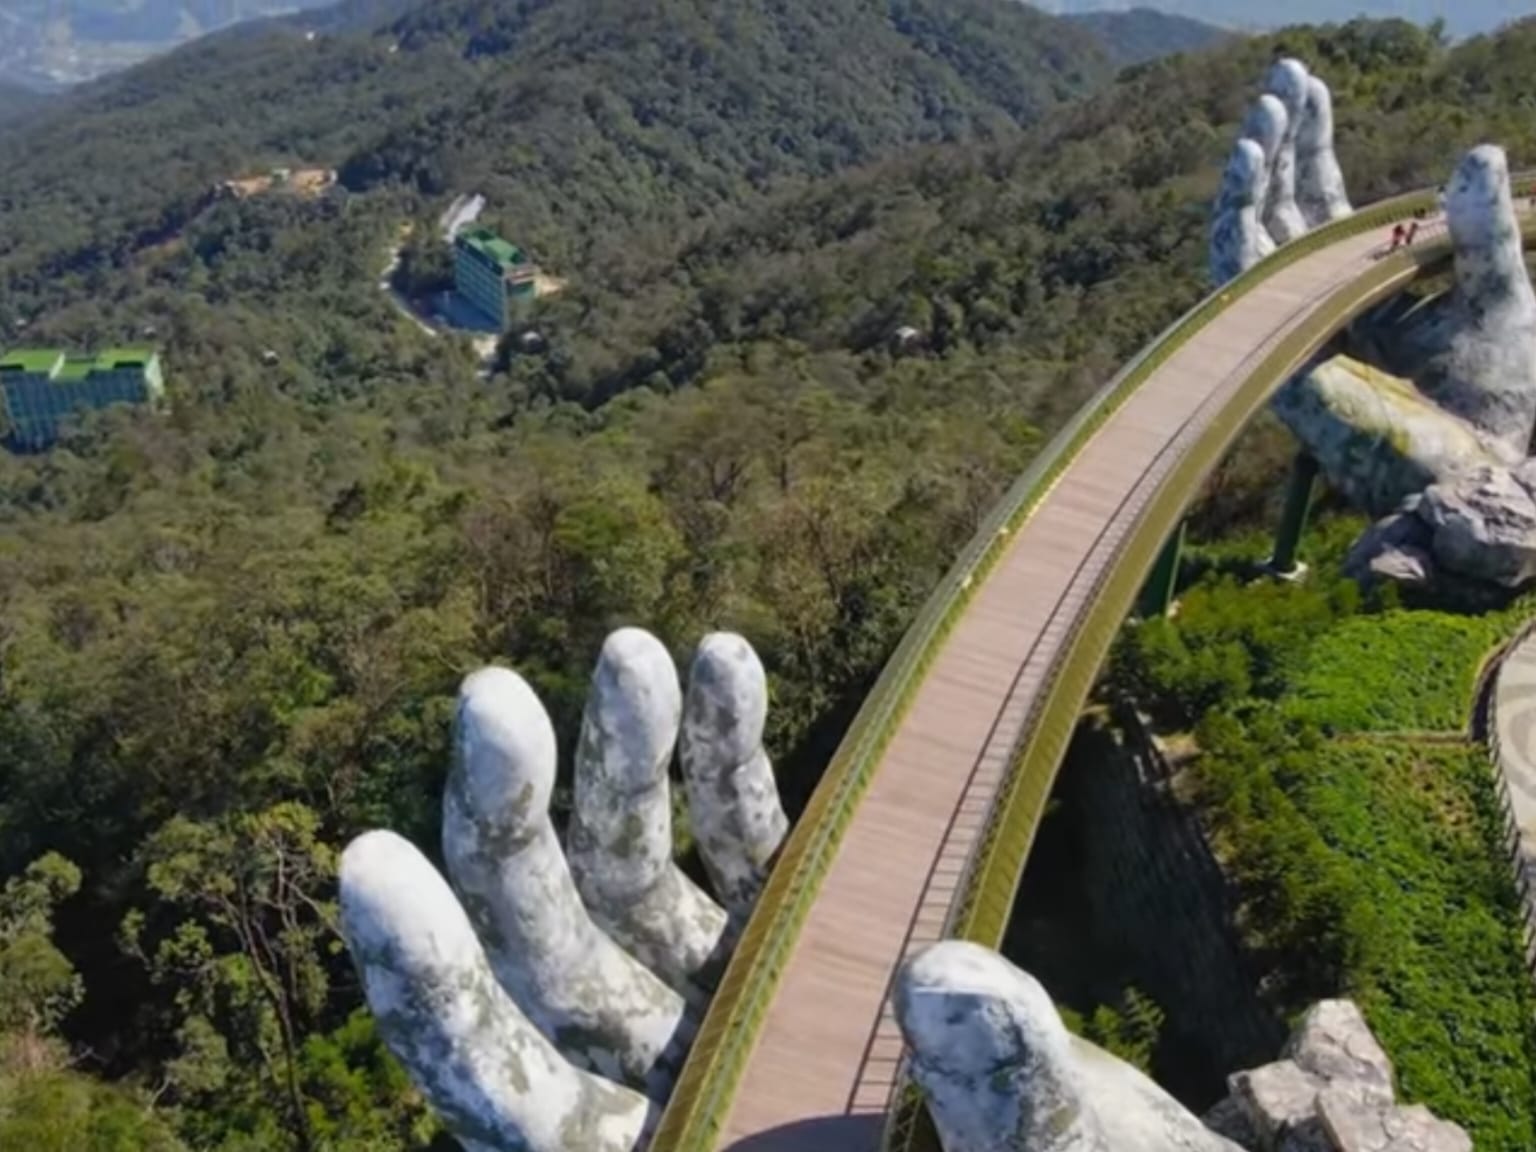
<point>492,276</point>
<point>44,386</point>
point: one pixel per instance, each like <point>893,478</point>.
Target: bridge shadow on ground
<point>822,1134</point>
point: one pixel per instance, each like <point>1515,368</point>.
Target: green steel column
<point>1293,521</point>
<point>1157,592</point>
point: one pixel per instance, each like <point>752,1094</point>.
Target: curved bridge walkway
<point>820,1077</point>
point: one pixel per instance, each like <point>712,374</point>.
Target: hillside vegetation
<point>230,637</point>
<point>1359,821</point>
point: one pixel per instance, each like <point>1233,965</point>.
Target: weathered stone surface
<point>597,1005</point>
<point>1280,1100</point>
<point>1356,1125</point>
<point>1238,238</point>
<point>1484,525</point>
<point>483,1066</point>
<point>1395,548</point>
<point>620,842</point>
<point>1001,1071</point>
<point>1320,192</point>
<point>1333,1041</point>
<point>1283,178</point>
<point>1473,350</point>
<point>1230,1119</point>
<point>1287,81</point>
<point>1266,125</point>
<point>1377,437</point>
<point>733,802</point>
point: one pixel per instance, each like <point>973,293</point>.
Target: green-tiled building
<point>493,276</point>
<point>43,386</point>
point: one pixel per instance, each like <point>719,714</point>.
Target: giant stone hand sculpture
<point>1428,420</point>
<point>544,1002</point>
<point>1283,178</point>
<point>530,1029</point>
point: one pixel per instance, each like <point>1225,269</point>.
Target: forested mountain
<point>230,636</point>
<point>1464,18</point>
<point>1141,34</point>
<point>15,100</point>
<point>596,125</point>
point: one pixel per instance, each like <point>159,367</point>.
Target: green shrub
<point>1400,671</point>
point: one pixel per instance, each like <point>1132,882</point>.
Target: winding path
<point>821,1074</point>
<point>1512,733</point>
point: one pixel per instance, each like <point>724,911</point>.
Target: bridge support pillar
<point>1157,593</point>
<point>1293,521</point>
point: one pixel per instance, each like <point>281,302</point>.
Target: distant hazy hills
<point>46,44</point>
<point>1462,17</point>
<point>1138,34</point>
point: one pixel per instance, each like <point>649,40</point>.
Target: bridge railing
<point>698,1109</point>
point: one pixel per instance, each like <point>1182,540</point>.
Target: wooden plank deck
<point>821,1074</point>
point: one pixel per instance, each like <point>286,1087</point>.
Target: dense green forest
<point>230,636</point>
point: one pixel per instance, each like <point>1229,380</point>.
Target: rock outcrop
<point>1332,1091</point>
<point>734,806</point>
<point>620,843</point>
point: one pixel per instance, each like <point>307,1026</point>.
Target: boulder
<point>1484,526</point>
<point>1395,548</point>
<point>1356,1125</point>
<point>1280,1101</point>
<point>1229,1118</point>
<point>1334,1042</point>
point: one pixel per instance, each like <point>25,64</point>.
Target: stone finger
<point>487,1071</point>
<point>1282,217</point>
<point>599,1006</point>
<point>1320,193</point>
<point>1238,239</point>
<point>733,800</point>
<point>1000,1071</point>
<point>620,843</point>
